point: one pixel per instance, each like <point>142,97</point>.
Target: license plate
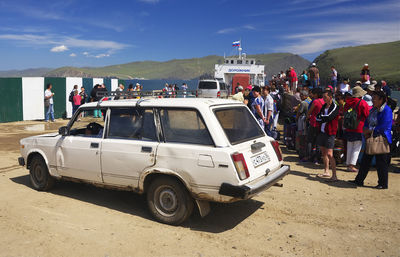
<point>260,159</point>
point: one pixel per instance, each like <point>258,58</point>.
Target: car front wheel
<point>40,178</point>
<point>169,201</point>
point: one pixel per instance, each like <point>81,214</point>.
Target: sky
<point>86,33</point>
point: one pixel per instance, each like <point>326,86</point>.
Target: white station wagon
<point>180,152</point>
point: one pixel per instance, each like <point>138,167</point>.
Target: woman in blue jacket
<point>378,123</point>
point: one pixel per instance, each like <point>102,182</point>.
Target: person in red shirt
<point>77,101</point>
<point>328,118</point>
<point>313,129</point>
<point>292,80</point>
<point>354,136</point>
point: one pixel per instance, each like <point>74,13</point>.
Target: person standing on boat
<point>365,76</point>
<point>314,75</point>
<point>334,78</point>
<point>184,89</point>
<point>292,80</point>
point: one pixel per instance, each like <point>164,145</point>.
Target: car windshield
<point>207,85</point>
<point>238,124</point>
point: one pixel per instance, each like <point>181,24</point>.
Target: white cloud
<point>102,56</point>
<point>73,55</point>
<point>235,29</point>
<point>57,49</point>
<point>29,40</point>
<point>341,35</point>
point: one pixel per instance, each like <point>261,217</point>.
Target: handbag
<point>377,145</point>
<point>46,103</point>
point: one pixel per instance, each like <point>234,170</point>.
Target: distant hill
<point>180,68</point>
<point>39,72</point>
<point>383,60</point>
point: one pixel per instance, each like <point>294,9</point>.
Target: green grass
<point>383,60</point>
<point>179,68</point>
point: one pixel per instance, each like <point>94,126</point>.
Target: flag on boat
<point>236,43</point>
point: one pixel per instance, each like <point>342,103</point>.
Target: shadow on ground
<point>222,217</point>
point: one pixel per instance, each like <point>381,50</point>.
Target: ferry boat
<point>240,70</point>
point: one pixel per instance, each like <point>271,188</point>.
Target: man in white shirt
<point>48,103</point>
<point>268,109</point>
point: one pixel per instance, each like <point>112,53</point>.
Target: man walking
<point>328,118</point>
<point>48,103</point>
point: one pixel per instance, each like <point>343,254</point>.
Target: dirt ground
<point>305,217</point>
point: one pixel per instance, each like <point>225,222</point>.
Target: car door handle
<point>94,145</point>
<point>146,149</point>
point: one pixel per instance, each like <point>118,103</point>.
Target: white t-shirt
<point>48,93</point>
<point>323,124</point>
<point>268,105</point>
<point>344,88</point>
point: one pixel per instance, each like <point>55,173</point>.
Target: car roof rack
<point>123,95</point>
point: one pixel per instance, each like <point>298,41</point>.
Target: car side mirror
<point>63,131</point>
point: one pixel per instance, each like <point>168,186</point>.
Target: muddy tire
<point>41,179</point>
<point>168,201</point>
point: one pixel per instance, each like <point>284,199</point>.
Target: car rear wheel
<point>40,178</point>
<point>168,201</point>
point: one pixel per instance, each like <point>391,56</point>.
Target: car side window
<point>88,123</point>
<point>184,126</point>
<point>132,123</point>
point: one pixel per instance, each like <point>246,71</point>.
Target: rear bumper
<point>21,161</point>
<point>249,190</point>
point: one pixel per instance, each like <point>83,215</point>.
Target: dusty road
<point>305,217</point>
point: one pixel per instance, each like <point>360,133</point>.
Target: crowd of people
<point>326,125</point>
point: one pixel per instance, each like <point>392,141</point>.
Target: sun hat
<point>374,82</point>
<point>313,64</point>
<point>358,82</point>
<point>249,87</point>
<point>371,87</point>
<point>240,87</point>
<point>358,92</point>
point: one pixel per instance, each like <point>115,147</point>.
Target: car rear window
<point>207,85</point>
<point>238,124</point>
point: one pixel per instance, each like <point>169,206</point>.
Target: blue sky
<point>98,33</point>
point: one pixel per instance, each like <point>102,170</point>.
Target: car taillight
<point>277,149</point>
<point>219,94</point>
<point>241,166</point>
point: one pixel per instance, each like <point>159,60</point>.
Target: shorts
<point>327,141</point>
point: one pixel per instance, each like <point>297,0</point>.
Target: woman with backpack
<point>356,111</point>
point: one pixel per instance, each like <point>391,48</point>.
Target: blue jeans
<point>334,84</point>
<point>314,83</point>
<point>49,111</point>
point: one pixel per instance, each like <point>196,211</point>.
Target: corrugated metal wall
<point>11,99</point>
<point>59,97</point>
<point>23,98</point>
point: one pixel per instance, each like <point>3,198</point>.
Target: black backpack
<point>71,96</point>
<point>350,120</point>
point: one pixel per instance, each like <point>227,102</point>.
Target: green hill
<point>383,60</point>
<point>180,68</point>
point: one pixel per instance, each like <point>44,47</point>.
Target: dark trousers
<point>382,165</point>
